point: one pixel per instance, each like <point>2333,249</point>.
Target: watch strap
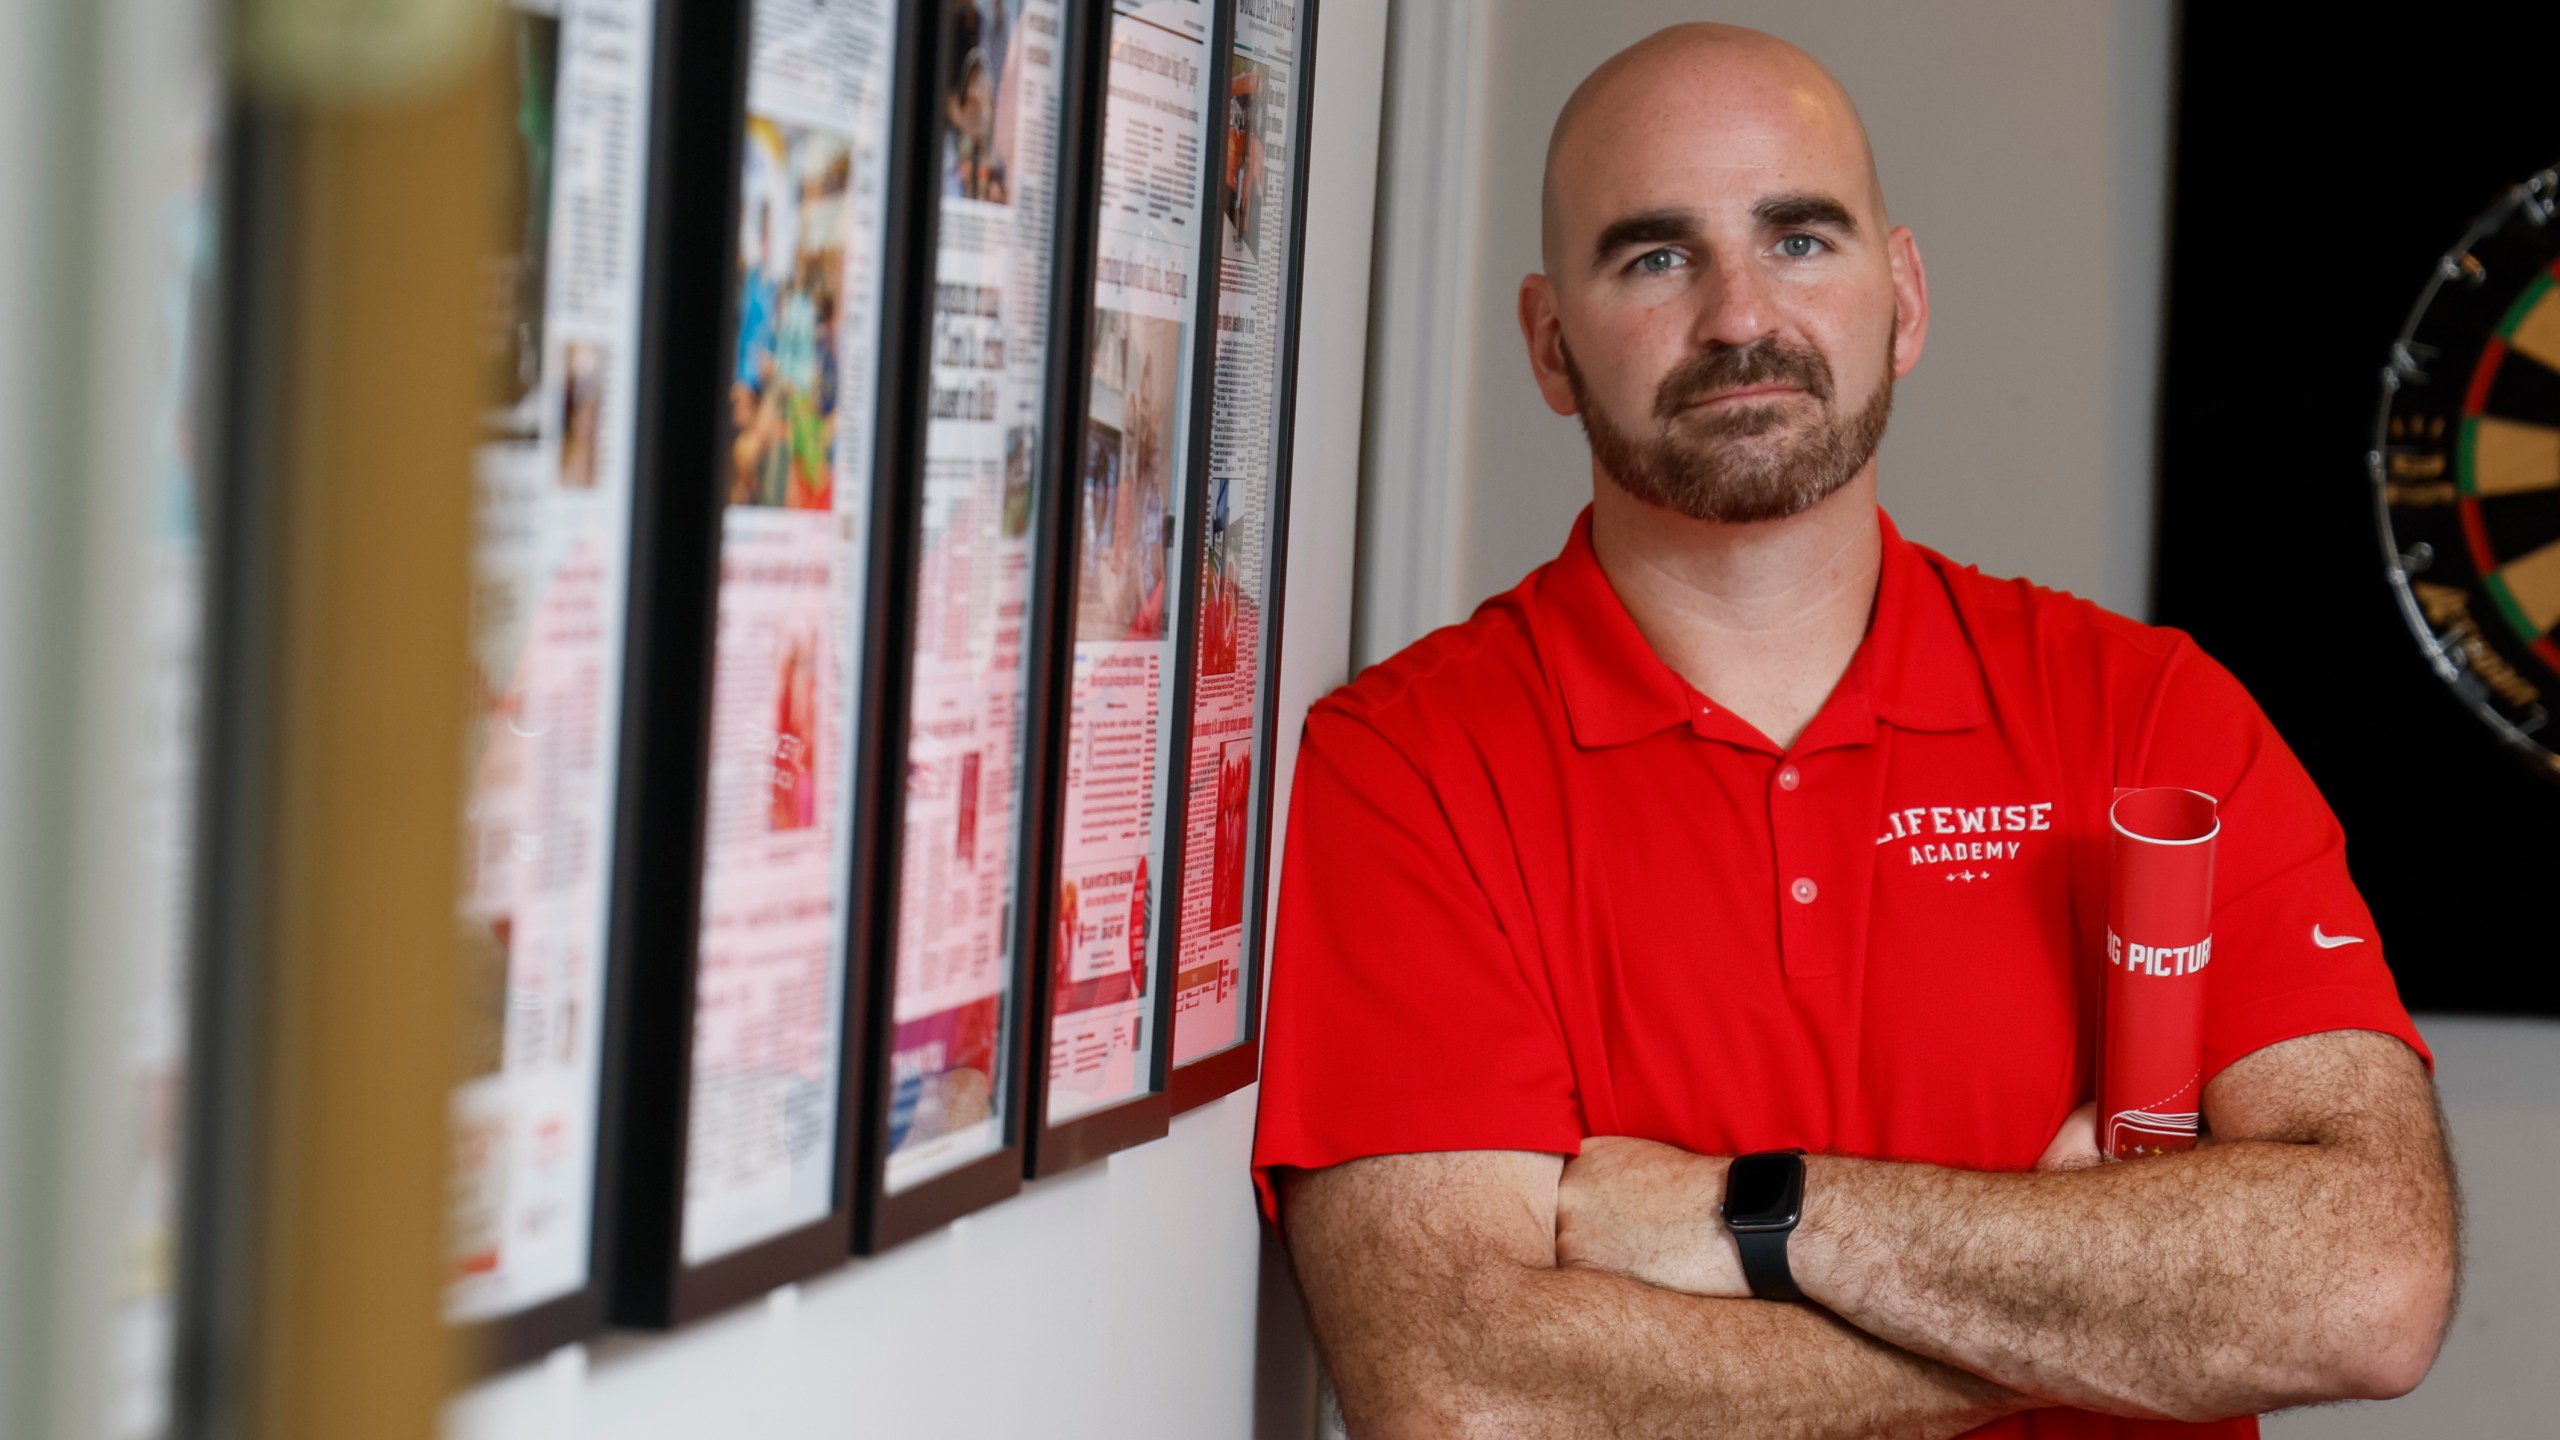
<point>1764,1264</point>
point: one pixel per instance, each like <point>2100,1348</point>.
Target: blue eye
<point>1659,262</point>
<point>1801,246</point>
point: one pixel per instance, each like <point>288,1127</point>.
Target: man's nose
<point>1734,306</point>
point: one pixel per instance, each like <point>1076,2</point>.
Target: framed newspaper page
<point>782,295</point>
<point>564,457</point>
<point>998,117</point>
<point>1224,813</point>
<point>1130,543</point>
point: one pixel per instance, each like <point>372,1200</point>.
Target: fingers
<point>2075,1145</point>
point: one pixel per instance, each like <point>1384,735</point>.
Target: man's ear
<point>1910,300</point>
<point>1543,328</point>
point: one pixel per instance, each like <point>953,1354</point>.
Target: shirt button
<point>1803,890</point>
<point>1788,779</point>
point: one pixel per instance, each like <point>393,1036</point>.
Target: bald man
<point>1684,1008</point>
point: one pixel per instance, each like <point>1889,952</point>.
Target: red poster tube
<point>2159,945</point>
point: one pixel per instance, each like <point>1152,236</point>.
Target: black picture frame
<point>884,1218</point>
<point>1051,1148</point>
<point>245,441</point>
<point>1224,1071</point>
<point>514,1338</point>
<point>703,131</point>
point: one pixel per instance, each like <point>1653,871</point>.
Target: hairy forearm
<point>2233,1280</point>
<point>1441,1308</point>
<point>1545,1354</point>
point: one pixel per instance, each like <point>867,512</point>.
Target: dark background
<point>2320,169</point>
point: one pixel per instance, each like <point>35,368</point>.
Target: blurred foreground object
<point>363,51</point>
<point>336,719</point>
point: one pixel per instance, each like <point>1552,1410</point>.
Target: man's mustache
<point>1732,367</point>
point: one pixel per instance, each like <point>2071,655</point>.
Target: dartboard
<point>2465,465</point>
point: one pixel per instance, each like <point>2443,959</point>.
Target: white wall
<point>2024,143</point>
<point>1115,1300</point>
<point>1124,1299</point>
<point>19,124</point>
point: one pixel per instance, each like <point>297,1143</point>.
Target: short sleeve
<point>2295,951</point>
<point>1402,1018</point>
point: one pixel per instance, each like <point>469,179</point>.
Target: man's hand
<point>2075,1145</point>
<point>1654,1212</point>
<point>1649,1211</point>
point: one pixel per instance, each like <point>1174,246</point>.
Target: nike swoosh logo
<point>2332,942</point>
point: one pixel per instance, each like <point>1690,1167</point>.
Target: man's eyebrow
<point>1804,209</point>
<point>1645,227</point>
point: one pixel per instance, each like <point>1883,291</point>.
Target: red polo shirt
<point>1539,888</point>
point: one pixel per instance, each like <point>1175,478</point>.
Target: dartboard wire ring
<point>2537,198</point>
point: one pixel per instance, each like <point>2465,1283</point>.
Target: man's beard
<point>1712,464</point>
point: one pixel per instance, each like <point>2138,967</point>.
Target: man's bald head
<point>1724,304</point>
<point>1724,77</point>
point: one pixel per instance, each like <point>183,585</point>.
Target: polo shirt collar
<point>1916,669</point>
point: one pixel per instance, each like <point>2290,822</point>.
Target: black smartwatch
<point>1763,1199</point>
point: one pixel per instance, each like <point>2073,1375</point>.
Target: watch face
<point>1762,1190</point>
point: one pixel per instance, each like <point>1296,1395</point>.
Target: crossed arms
<point>2307,1253</point>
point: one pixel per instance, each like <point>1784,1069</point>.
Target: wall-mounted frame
<point>183,764</point>
<point>1225,812</point>
<point>1002,115</point>
<point>1129,550</point>
<point>564,460</point>
<point>778,432</point>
